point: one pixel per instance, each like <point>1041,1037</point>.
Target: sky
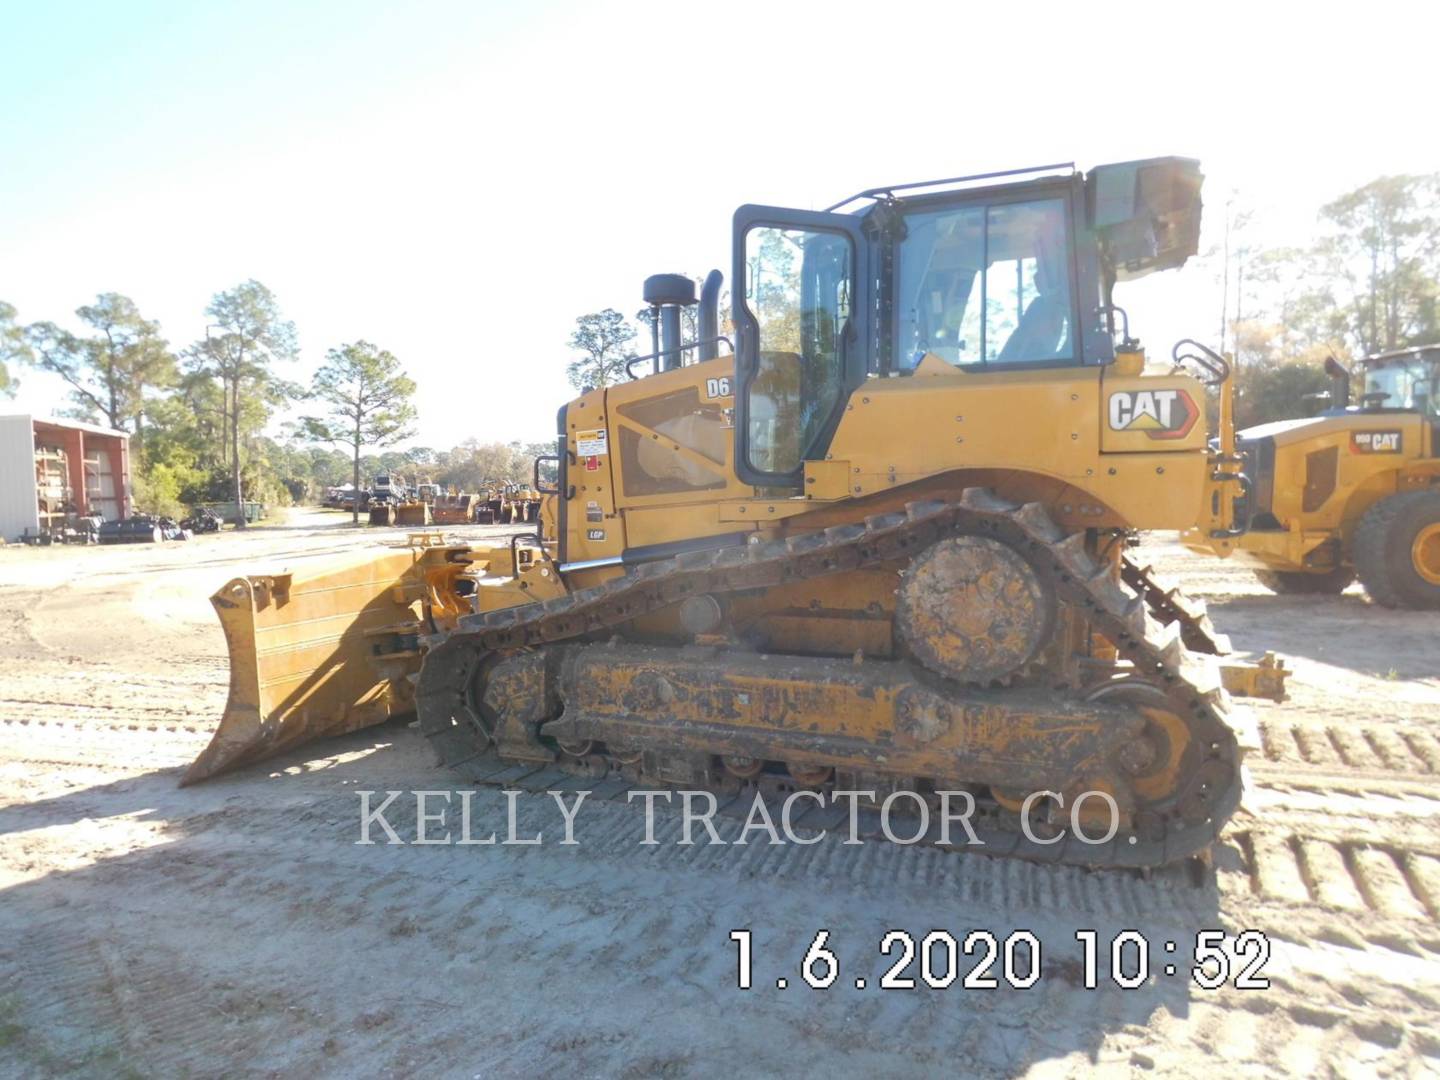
<point>456,182</point>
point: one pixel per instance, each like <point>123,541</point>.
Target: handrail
<point>632,361</point>
<point>1208,359</point>
<point>876,192</point>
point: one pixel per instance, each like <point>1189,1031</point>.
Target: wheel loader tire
<point>1397,550</point>
<point>1303,583</point>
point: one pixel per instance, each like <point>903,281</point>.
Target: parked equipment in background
<point>413,512</point>
<point>488,504</point>
<point>138,529</point>
<point>452,508</point>
<point>389,488</point>
<point>74,529</point>
<point>203,520</point>
<point>347,498</point>
<point>1352,492</point>
<point>405,512</point>
<point>445,506</point>
<point>142,529</point>
<point>519,503</point>
<point>230,512</point>
<point>879,549</point>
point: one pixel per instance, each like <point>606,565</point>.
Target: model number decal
<point>1161,414</point>
<point>717,387</point>
<point>1375,442</point>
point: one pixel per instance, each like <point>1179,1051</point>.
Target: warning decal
<point>590,443</point>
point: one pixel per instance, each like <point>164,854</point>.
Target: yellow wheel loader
<point>1354,491</point>
<point>879,549</point>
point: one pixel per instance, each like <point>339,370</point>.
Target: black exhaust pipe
<point>1339,383</point>
<point>709,315</point>
<point>667,294</point>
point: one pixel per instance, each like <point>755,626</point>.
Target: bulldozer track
<point>1169,603</point>
<point>1156,651</point>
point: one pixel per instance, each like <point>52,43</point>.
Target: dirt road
<point>237,928</point>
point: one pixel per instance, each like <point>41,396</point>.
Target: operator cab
<point>976,285</point>
<point>986,276</point>
<point>1406,379</point>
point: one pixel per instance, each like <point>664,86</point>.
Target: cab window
<point>798,290</point>
<point>1400,385</point>
<point>979,285</point>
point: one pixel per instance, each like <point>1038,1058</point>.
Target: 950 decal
<point>980,960</point>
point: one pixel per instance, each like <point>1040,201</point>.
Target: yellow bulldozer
<point>880,547</point>
<point>1353,491</point>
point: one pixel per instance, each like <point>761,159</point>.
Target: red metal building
<point>51,468</point>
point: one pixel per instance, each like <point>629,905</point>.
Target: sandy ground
<point>236,928</point>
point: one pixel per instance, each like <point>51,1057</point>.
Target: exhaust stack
<point>667,294</point>
<point>709,316</point>
<point>1339,382</point>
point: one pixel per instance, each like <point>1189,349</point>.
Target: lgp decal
<point>1375,442</point>
<point>1161,414</point>
<point>594,534</point>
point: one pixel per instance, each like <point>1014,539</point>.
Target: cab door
<point>801,307</point>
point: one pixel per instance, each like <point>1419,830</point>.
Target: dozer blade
<point>321,650</point>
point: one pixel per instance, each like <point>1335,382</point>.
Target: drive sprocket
<point>974,609</point>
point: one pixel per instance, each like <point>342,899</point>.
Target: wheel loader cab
<point>1406,379</point>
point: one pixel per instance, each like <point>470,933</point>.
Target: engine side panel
<point>1052,423</point>
<point>1322,475</point>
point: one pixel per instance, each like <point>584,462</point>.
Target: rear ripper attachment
<point>1264,679</point>
<point>992,692</point>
